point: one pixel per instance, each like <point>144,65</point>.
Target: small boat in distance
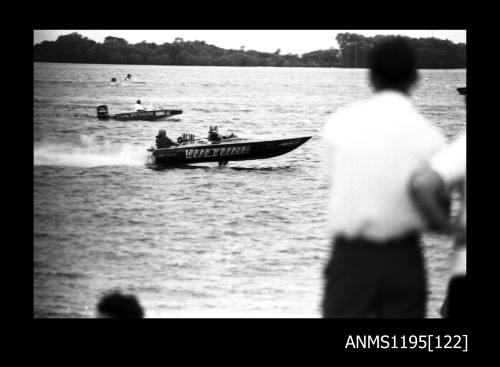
<point>102,114</point>
<point>462,91</point>
<point>130,79</point>
<point>232,149</point>
<point>124,82</point>
<point>127,82</point>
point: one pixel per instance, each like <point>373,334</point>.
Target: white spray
<point>90,153</point>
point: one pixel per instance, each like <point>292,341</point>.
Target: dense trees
<point>432,53</point>
<point>353,52</point>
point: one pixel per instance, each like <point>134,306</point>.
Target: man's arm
<point>171,143</point>
<point>431,198</point>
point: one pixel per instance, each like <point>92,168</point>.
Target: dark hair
<point>138,101</point>
<point>393,64</point>
<point>120,306</point>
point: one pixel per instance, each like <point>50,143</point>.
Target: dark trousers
<point>454,306</point>
<point>366,279</point>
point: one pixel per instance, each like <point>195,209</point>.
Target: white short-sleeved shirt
<point>373,147</point>
<point>451,164</point>
<point>138,107</point>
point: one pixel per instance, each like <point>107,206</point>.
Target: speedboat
<point>131,79</point>
<point>102,114</point>
<point>125,82</point>
<point>231,149</point>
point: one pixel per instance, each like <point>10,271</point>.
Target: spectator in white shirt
<point>376,268</point>
<point>431,186</point>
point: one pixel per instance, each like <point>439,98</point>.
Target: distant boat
<point>462,90</point>
<point>130,79</point>
<point>125,82</point>
<point>233,149</point>
<point>102,114</point>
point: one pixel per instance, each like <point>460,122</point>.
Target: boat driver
<point>163,141</point>
<point>138,106</point>
<point>129,76</point>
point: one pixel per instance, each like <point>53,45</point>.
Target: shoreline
<point>227,66</point>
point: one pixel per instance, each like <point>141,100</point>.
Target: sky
<point>288,41</point>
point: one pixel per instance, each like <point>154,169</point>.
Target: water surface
<point>249,239</point>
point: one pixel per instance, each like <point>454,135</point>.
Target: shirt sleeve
<point>430,139</point>
<point>326,131</point>
<point>435,139</point>
<point>332,128</point>
<point>451,162</point>
<point>329,136</point>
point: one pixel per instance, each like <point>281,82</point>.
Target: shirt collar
<point>391,94</point>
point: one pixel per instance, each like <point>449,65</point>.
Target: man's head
<point>119,306</point>
<point>162,132</point>
<point>392,63</point>
<point>138,101</point>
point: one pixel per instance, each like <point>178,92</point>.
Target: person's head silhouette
<point>393,65</point>
<point>119,306</point>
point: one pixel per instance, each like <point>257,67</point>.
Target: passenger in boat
<point>163,141</point>
<point>119,306</point>
<point>129,77</point>
<point>213,134</point>
<point>138,106</point>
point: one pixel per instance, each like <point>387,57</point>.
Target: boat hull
<point>145,115</point>
<point>224,151</point>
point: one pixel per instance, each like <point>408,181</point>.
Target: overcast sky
<point>288,41</point>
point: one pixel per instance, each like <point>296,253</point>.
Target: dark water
<point>245,240</point>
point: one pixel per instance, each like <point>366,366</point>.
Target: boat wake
<point>89,154</point>
<point>278,168</point>
<point>156,167</point>
<point>211,166</point>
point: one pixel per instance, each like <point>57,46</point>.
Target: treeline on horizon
<point>353,52</point>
